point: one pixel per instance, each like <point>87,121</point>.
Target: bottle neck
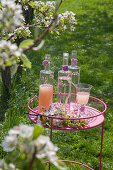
<point>74,58</point>
<point>65,61</point>
<point>47,67</point>
<point>65,58</point>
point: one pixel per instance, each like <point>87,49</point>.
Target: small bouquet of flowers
<point>61,118</point>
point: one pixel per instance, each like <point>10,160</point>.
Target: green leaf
<point>26,61</point>
<point>76,22</point>
<point>32,4</point>
<point>10,61</point>
<point>38,130</point>
<point>26,43</point>
<point>0,6</point>
<point>57,32</point>
<point>52,32</point>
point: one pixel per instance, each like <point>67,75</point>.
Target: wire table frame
<point>95,117</point>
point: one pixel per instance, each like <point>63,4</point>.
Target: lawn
<point>93,40</point>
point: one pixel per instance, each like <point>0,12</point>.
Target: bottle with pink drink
<point>75,79</point>
<point>46,86</point>
<point>64,83</point>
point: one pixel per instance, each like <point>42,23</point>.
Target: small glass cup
<point>82,97</point>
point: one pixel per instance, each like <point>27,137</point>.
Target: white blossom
<point>14,131</point>
<point>26,131</point>
<point>9,143</point>
<point>39,3</point>
<point>44,16</point>
<point>50,4</point>
<point>4,165</point>
<point>26,147</point>
<point>72,28</point>
<point>20,32</point>
<point>66,20</point>
<point>7,52</point>
<point>49,150</point>
<point>19,138</point>
<point>44,8</point>
<point>11,16</point>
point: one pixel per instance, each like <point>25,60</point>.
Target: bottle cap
<point>74,61</point>
<point>65,67</point>
<point>45,63</point>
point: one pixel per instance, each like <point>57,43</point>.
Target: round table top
<point>92,116</point>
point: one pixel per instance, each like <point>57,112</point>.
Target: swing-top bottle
<point>46,86</point>
<point>75,79</point>
<point>64,82</point>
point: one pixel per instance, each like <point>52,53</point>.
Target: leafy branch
<point>46,31</point>
<point>32,159</point>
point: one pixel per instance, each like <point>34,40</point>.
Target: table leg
<point>51,138</point>
<point>101,145</point>
<point>51,129</point>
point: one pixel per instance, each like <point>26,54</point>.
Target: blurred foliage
<point>93,40</point>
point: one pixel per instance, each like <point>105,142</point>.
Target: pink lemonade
<point>45,96</point>
<point>82,97</point>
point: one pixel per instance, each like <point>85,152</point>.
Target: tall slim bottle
<point>75,79</point>
<point>64,82</point>
<point>46,86</point>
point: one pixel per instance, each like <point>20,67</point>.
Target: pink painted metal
<point>46,162</point>
<point>77,164</point>
<point>95,118</point>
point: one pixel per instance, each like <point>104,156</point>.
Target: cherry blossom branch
<point>39,38</point>
<point>32,159</point>
<point>59,5</point>
<point>46,31</point>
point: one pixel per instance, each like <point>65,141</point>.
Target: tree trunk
<point>6,74</point>
<point>6,79</point>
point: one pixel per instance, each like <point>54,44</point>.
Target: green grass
<point>93,40</point>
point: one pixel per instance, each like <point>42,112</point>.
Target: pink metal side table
<point>95,117</point>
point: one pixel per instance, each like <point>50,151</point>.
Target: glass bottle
<point>64,83</point>
<point>75,79</point>
<point>46,86</point>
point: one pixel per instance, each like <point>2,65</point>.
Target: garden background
<point>93,40</point>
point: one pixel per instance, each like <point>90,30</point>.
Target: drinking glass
<point>82,97</point>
